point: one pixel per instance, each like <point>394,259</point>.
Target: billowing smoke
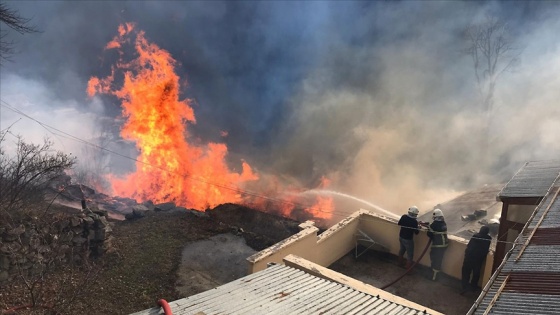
<point>378,97</point>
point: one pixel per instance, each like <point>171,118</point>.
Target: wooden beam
<point>496,296</point>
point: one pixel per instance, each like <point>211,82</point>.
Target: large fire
<point>168,167</point>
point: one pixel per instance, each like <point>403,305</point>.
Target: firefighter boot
<point>434,277</point>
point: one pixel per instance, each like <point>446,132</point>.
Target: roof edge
<point>326,273</point>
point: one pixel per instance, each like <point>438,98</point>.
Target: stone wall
<point>40,243</point>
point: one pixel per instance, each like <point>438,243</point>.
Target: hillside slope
<point>145,262</point>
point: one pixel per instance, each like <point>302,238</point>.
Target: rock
<point>75,221</point>
<point>62,224</point>
<point>78,230</point>
<point>197,213</point>
<point>126,201</point>
<point>129,216</point>
<point>102,222</point>
<point>164,206</point>
<point>100,212</point>
<point>106,246</point>
<point>180,209</point>
<point>139,211</point>
<point>149,204</point>
<point>102,234</point>
<point>89,221</point>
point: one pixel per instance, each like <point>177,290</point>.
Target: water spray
<point>337,193</point>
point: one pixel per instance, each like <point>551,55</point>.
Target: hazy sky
<point>377,96</point>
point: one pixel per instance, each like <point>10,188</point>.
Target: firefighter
<point>409,227</point>
<point>438,234</point>
<point>476,252</point>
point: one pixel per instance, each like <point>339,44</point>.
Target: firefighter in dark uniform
<point>409,227</point>
<point>475,254</point>
<point>438,234</point>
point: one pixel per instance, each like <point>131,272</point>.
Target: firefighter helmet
<point>413,211</point>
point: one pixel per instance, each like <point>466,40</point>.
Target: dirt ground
<point>222,258</point>
<point>212,262</point>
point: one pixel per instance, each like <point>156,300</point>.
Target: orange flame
<point>168,167</point>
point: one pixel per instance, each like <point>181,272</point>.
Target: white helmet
<point>438,213</point>
<point>413,211</point>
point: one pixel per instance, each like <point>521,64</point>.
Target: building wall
<point>520,213</point>
<point>341,239</point>
<point>386,232</point>
<point>303,244</point>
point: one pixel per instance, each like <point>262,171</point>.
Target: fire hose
<point>166,308</point>
<point>409,268</point>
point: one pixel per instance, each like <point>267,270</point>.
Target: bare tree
<point>493,52</point>
<point>47,249</point>
<point>16,22</point>
<point>25,174</point>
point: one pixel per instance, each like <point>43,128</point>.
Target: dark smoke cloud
<point>375,95</point>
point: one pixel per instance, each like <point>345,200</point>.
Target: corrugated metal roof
<point>540,258</point>
<point>527,282</point>
<point>512,303</point>
<point>532,180</point>
<point>552,219</point>
<point>281,289</point>
<point>546,236</point>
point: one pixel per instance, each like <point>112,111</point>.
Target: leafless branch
<point>17,23</point>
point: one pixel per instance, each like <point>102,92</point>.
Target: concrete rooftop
<point>379,269</point>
